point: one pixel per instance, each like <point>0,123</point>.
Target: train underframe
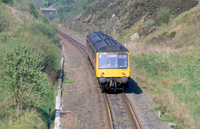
<point>112,84</point>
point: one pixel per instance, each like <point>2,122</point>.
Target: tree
<point>21,69</point>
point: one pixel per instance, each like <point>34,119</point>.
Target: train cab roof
<point>104,43</point>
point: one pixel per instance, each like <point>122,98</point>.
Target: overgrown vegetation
<point>28,70</point>
<point>7,1</point>
<point>33,11</point>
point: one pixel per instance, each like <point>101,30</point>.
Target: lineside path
<point>82,103</point>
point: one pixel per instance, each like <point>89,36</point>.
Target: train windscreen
<point>113,60</point>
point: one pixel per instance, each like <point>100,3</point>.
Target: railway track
<point>80,46</point>
<point>120,112</point>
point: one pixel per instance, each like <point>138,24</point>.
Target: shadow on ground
<point>129,88</point>
<point>132,87</point>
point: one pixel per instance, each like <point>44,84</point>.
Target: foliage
<point>147,27</point>
<point>33,11</point>
<point>87,2</point>
<point>7,1</point>
<point>163,15</point>
<point>45,20</point>
<point>47,3</point>
<point>6,19</point>
<point>44,29</point>
<point>21,72</point>
<point>103,14</point>
<point>28,69</point>
<point>150,8</point>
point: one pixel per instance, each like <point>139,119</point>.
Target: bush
<point>147,27</point>
<point>33,11</point>
<point>86,3</point>
<point>6,19</point>
<point>45,20</point>
<point>21,68</point>
<point>163,15</point>
<point>7,1</point>
<point>102,15</point>
<point>44,29</point>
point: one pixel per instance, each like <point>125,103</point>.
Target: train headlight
<point>102,79</point>
<point>124,79</point>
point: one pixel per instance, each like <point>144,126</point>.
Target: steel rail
<point>80,46</point>
<point>109,111</point>
<point>131,111</point>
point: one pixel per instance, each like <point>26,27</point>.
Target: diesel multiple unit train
<point>109,59</point>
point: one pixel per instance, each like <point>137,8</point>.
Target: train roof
<point>104,43</point>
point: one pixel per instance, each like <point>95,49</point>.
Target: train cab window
<point>123,60</point>
<point>112,59</point>
<point>102,61</point>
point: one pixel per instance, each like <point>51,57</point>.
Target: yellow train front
<point>110,60</point>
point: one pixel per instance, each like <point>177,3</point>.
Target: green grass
<point>177,72</point>
<point>67,80</point>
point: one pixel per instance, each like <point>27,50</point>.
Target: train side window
<point>123,60</point>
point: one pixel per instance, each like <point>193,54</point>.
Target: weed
<point>67,80</point>
<point>68,105</point>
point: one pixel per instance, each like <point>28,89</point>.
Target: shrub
<point>6,19</point>
<point>44,29</point>
<point>21,68</point>
<point>87,2</point>
<point>163,15</point>
<point>7,1</point>
<point>147,27</point>
<point>45,20</point>
<point>33,11</point>
<point>102,15</point>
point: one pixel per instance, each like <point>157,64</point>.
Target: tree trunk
<point>18,108</point>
